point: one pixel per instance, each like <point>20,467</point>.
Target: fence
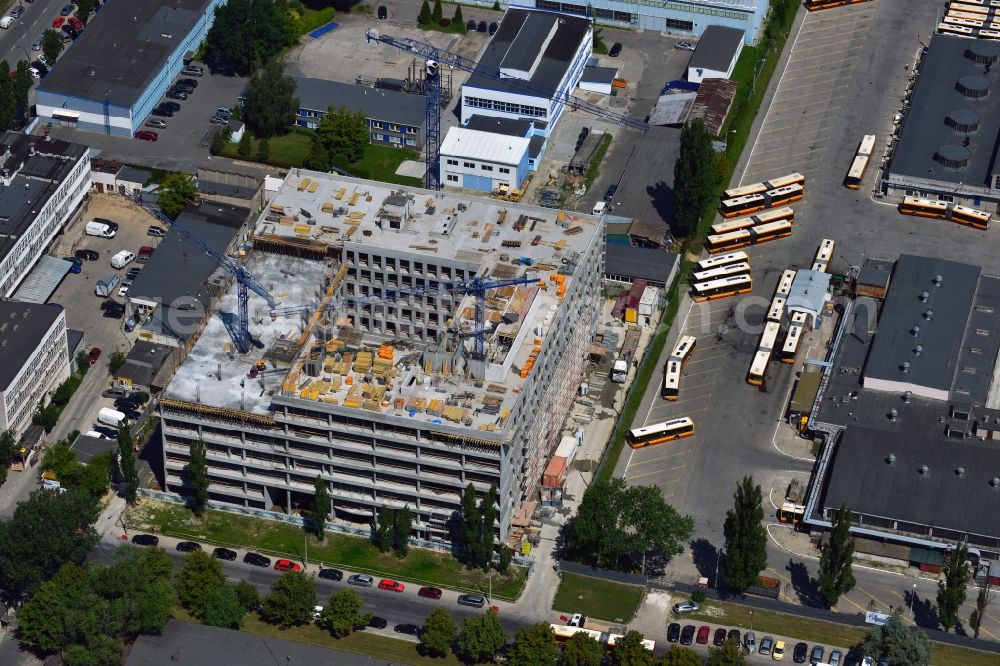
<point>603,574</point>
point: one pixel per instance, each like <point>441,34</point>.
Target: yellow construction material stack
<point>302,229</point>
<point>382,367</point>
<point>335,383</point>
<point>487,232</point>
<point>352,401</point>
<point>340,193</point>
<point>313,186</point>
<point>333,346</point>
<point>434,407</point>
<point>363,362</point>
<point>454,414</point>
<point>371,405</point>
<point>286,221</point>
<point>277,208</point>
<point>354,198</point>
<point>327,207</point>
<point>303,184</point>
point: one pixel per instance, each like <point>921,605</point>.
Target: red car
<point>287,565</point>
<point>391,585</point>
<point>75,22</point>
<point>58,21</point>
<point>95,353</point>
<point>703,635</point>
<point>429,593</point>
<point>146,135</point>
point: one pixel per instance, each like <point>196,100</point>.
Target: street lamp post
<point>718,556</point>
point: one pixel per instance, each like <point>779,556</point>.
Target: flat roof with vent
<point>22,326</point>
<point>953,121</point>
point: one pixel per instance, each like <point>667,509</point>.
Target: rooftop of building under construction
<point>345,368</point>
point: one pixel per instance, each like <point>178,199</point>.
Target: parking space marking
<point>784,588</point>
<point>702,360</point>
<point>659,458</point>
<point>791,159</point>
<point>655,471</point>
<point>806,152</point>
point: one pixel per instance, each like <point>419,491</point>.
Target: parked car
<point>180,87</point>
<point>58,21</point>
<point>470,25</point>
<point>191,83</point>
<point>218,121</point>
<point>287,565</point>
<point>610,194</point>
<point>673,632</point>
<point>132,414</point>
<point>331,574</point>
<point>391,585</point>
<point>146,135</point>
<point>378,623</point>
<point>408,629</point>
<point>224,554</point>
<point>750,642</point>
<point>89,255</point>
<point>800,652</point>
<point>173,106</point>
<point>719,637</point>
<point>126,404</point>
<point>482,27</point>
<point>75,22</point>
<point>93,355</point>
<point>154,230</point>
<point>734,636</point>
<point>383,13</point>
<point>703,632</point>
<point>778,653</point>
<point>836,656</point>
<point>684,46</point>
<point>129,325</point>
<point>816,654</point>
<point>162,112</point>
<point>70,30</point>
<point>111,433</point>
<point>115,313</point>
<point>193,70</point>
<point>36,45</point>
<point>158,124</point>
<point>364,580</point>
<point>766,645</point>
<point>687,634</point>
<point>16,11</point>
<point>224,112</point>
<point>188,546</point>
<point>145,539</point>
<point>429,593</point>
<point>257,560</point>
<point>686,607</point>
<point>493,28</point>
<point>124,288</point>
<point>615,50</point>
<point>474,600</point>
<point>66,10</point>
<point>176,94</point>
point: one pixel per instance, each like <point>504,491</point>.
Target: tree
<point>46,531</point>
<point>481,638</point>
<point>263,149</point>
<point>244,35</point>
<point>503,565</point>
<point>223,608</point>
<point>22,85</point>
<point>983,600</point>
<point>595,534</point>
<point>582,650</point>
<point>458,21</point>
<point>746,540</point>
<point>83,10</point>
<point>401,528</point>
<point>271,103</point>
<point>200,575</point>
<point>729,653</point>
<point>488,512</point>
<point>629,651</point>
<point>46,415</point>
<point>655,525</point>
<point>127,461</point>
<point>534,646</point>
<point>82,362</point>
<point>245,146</point>
<point>319,511</point>
<point>679,656</point>
<point>318,159</point>
<point>836,555</point>
<point>952,590</point>
<point>8,445</point>
<point>437,13</point>
<point>424,17</point>
<point>897,643</point>
<point>342,614</point>
<point>197,469</point>
<point>439,633</point>
<point>343,134</point>
<point>248,595</point>
<point>496,5</point>
<point>694,176</point>
<point>471,522</point>
<point>385,521</point>
<point>291,601</point>
<point>51,45</point>
<point>117,359</point>
<point>8,99</point>
<point>155,562</point>
<point>219,142</point>
<point>175,192</point>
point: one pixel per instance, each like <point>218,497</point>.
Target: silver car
<point>835,658</point>
<point>686,607</point>
<point>766,645</point>
<point>158,124</point>
<point>684,46</point>
<point>363,580</point>
<point>37,45</point>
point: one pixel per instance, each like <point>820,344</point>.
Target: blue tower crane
<point>436,57</point>
<point>240,331</point>
<point>476,286</point>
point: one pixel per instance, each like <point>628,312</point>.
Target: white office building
<point>483,161</point>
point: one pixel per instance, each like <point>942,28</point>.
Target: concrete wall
<point>483,175</point>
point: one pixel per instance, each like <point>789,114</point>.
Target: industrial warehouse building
<point>483,160</point>
<point>394,118</point>
<point>122,64</point>
<point>946,147</point>
<point>390,402</point>
<point>679,17</point>
<point>716,54</point>
<point>909,410</point>
<point>547,50</point>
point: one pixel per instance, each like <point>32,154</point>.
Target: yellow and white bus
<point>770,232</point>
<point>857,171</point>
<point>660,432</point>
<point>614,638</point>
<point>957,30</point>
<point>730,241</point>
<point>971,217</point>
<point>777,309</point>
<point>785,283</point>
<point>724,260</point>
<point>823,255</point>
<point>924,207</point>
<point>721,288</point>
<point>791,346</point>
<point>768,340</point>
<point>721,272</point>
<point>564,632</point>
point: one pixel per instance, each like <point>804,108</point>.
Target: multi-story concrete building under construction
<point>379,391</point>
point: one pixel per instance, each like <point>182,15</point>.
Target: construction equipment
<point>239,331</point>
<point>476,286</point>
<point>435,58</point>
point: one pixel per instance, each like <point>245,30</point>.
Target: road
<point>15,42</point>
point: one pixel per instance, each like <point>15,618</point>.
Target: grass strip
<point>598,598</point>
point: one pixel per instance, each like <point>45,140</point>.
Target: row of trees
<point>392,530</point>
<point>698,173</point>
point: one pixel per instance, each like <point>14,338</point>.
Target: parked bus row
<point>824,255</point>
<point>957,30</point>
<point>659,433</point>
<point>790,348</point>
<point>751,203</point>
<point>723,287</point>
<point>769,338</point>
<point>943,210</point>
<point>756,220</point>
<point>861,158</point>
<point>816,5</point>
<point>764,186</point>
<point>735,240</point>
<point>672,371</point>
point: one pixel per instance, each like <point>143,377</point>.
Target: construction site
<point>415,342</point>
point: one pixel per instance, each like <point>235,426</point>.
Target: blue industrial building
<point>115,73</point>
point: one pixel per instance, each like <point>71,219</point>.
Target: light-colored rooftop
<point>484,146</point>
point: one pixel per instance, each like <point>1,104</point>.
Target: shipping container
<point>555,473</point>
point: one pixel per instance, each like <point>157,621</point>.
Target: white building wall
<point>455,168</point>
<point>46,368</point>
<point>53,216</point>
<point>697,74</point>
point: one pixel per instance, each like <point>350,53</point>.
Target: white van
<point>110,417</point>
<point>122,259</point>
<point>100,229</point>
<point>6,21</point>
<point>599,208</point>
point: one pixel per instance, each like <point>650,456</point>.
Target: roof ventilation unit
<point>890,459</point>
<point>929,314</point>
<point>924,295</point>
<point>983,53</point>
<point>918,350</point>
<point>959,471</point>
<point>906,369</point>
<point>893,413</point>
<point>924,470</point>
<point>973,86</point>
<point>962,120</point>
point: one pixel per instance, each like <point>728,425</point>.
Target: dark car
<point>470,26</point>
<point>331,574</point>
<point>16,12</point>
<point>224,554</point>
<point>474,600</point>
<point>176,94</point>
<point>180,87</point>
<point>800,653</point>
<point>115,313</point>
<point>610,194</point>
<point>173,106</point>
<point>429,593</point>
<point>816,654</point>
<point>257,560</point>
<point>89,255</point>
<point>493,28</point>
<point>188,546</point>
<point>163,113</point>
<point>615,50</point>
<point>190,83</point>
<point>674,632</point>
<point>408,629</point>
<point>126,403</point>
<point>719,638</point>
<point>687,635</point>
<point>734,636</point>
<point>378,623</point>
<point>131,414</point>
<point>383,13</point>
<point>145,540</point>
<point>70,30</point>
<point>482,27</point>
<point>108,432</point>
<point>66,10</point>
<point>110,304</point>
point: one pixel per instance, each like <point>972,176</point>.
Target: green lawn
<point>380,163</point>
<point>289,150</point>
<point>594,168</point>
<point>819,631</point>
<point>597,598</point>
<point>352,553</point>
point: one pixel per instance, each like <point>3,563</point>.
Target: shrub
<point>444,23</point>
<point>698,596</point>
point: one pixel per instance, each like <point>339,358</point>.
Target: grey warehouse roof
<point>517,25</point>
<point>809,291</point>
<point>592,74</point>
<point>939,322</point>
<point>386,105</point>
<point>639,262</point>
<point>22,326</point>
<point>123,50</point>
<point>509,126</point>
<point>946,109</point>
<point>43,279</point>
<point>862,478</point>
<point>717,48</point>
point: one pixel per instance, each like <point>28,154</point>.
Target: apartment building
<point>368,374</point>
